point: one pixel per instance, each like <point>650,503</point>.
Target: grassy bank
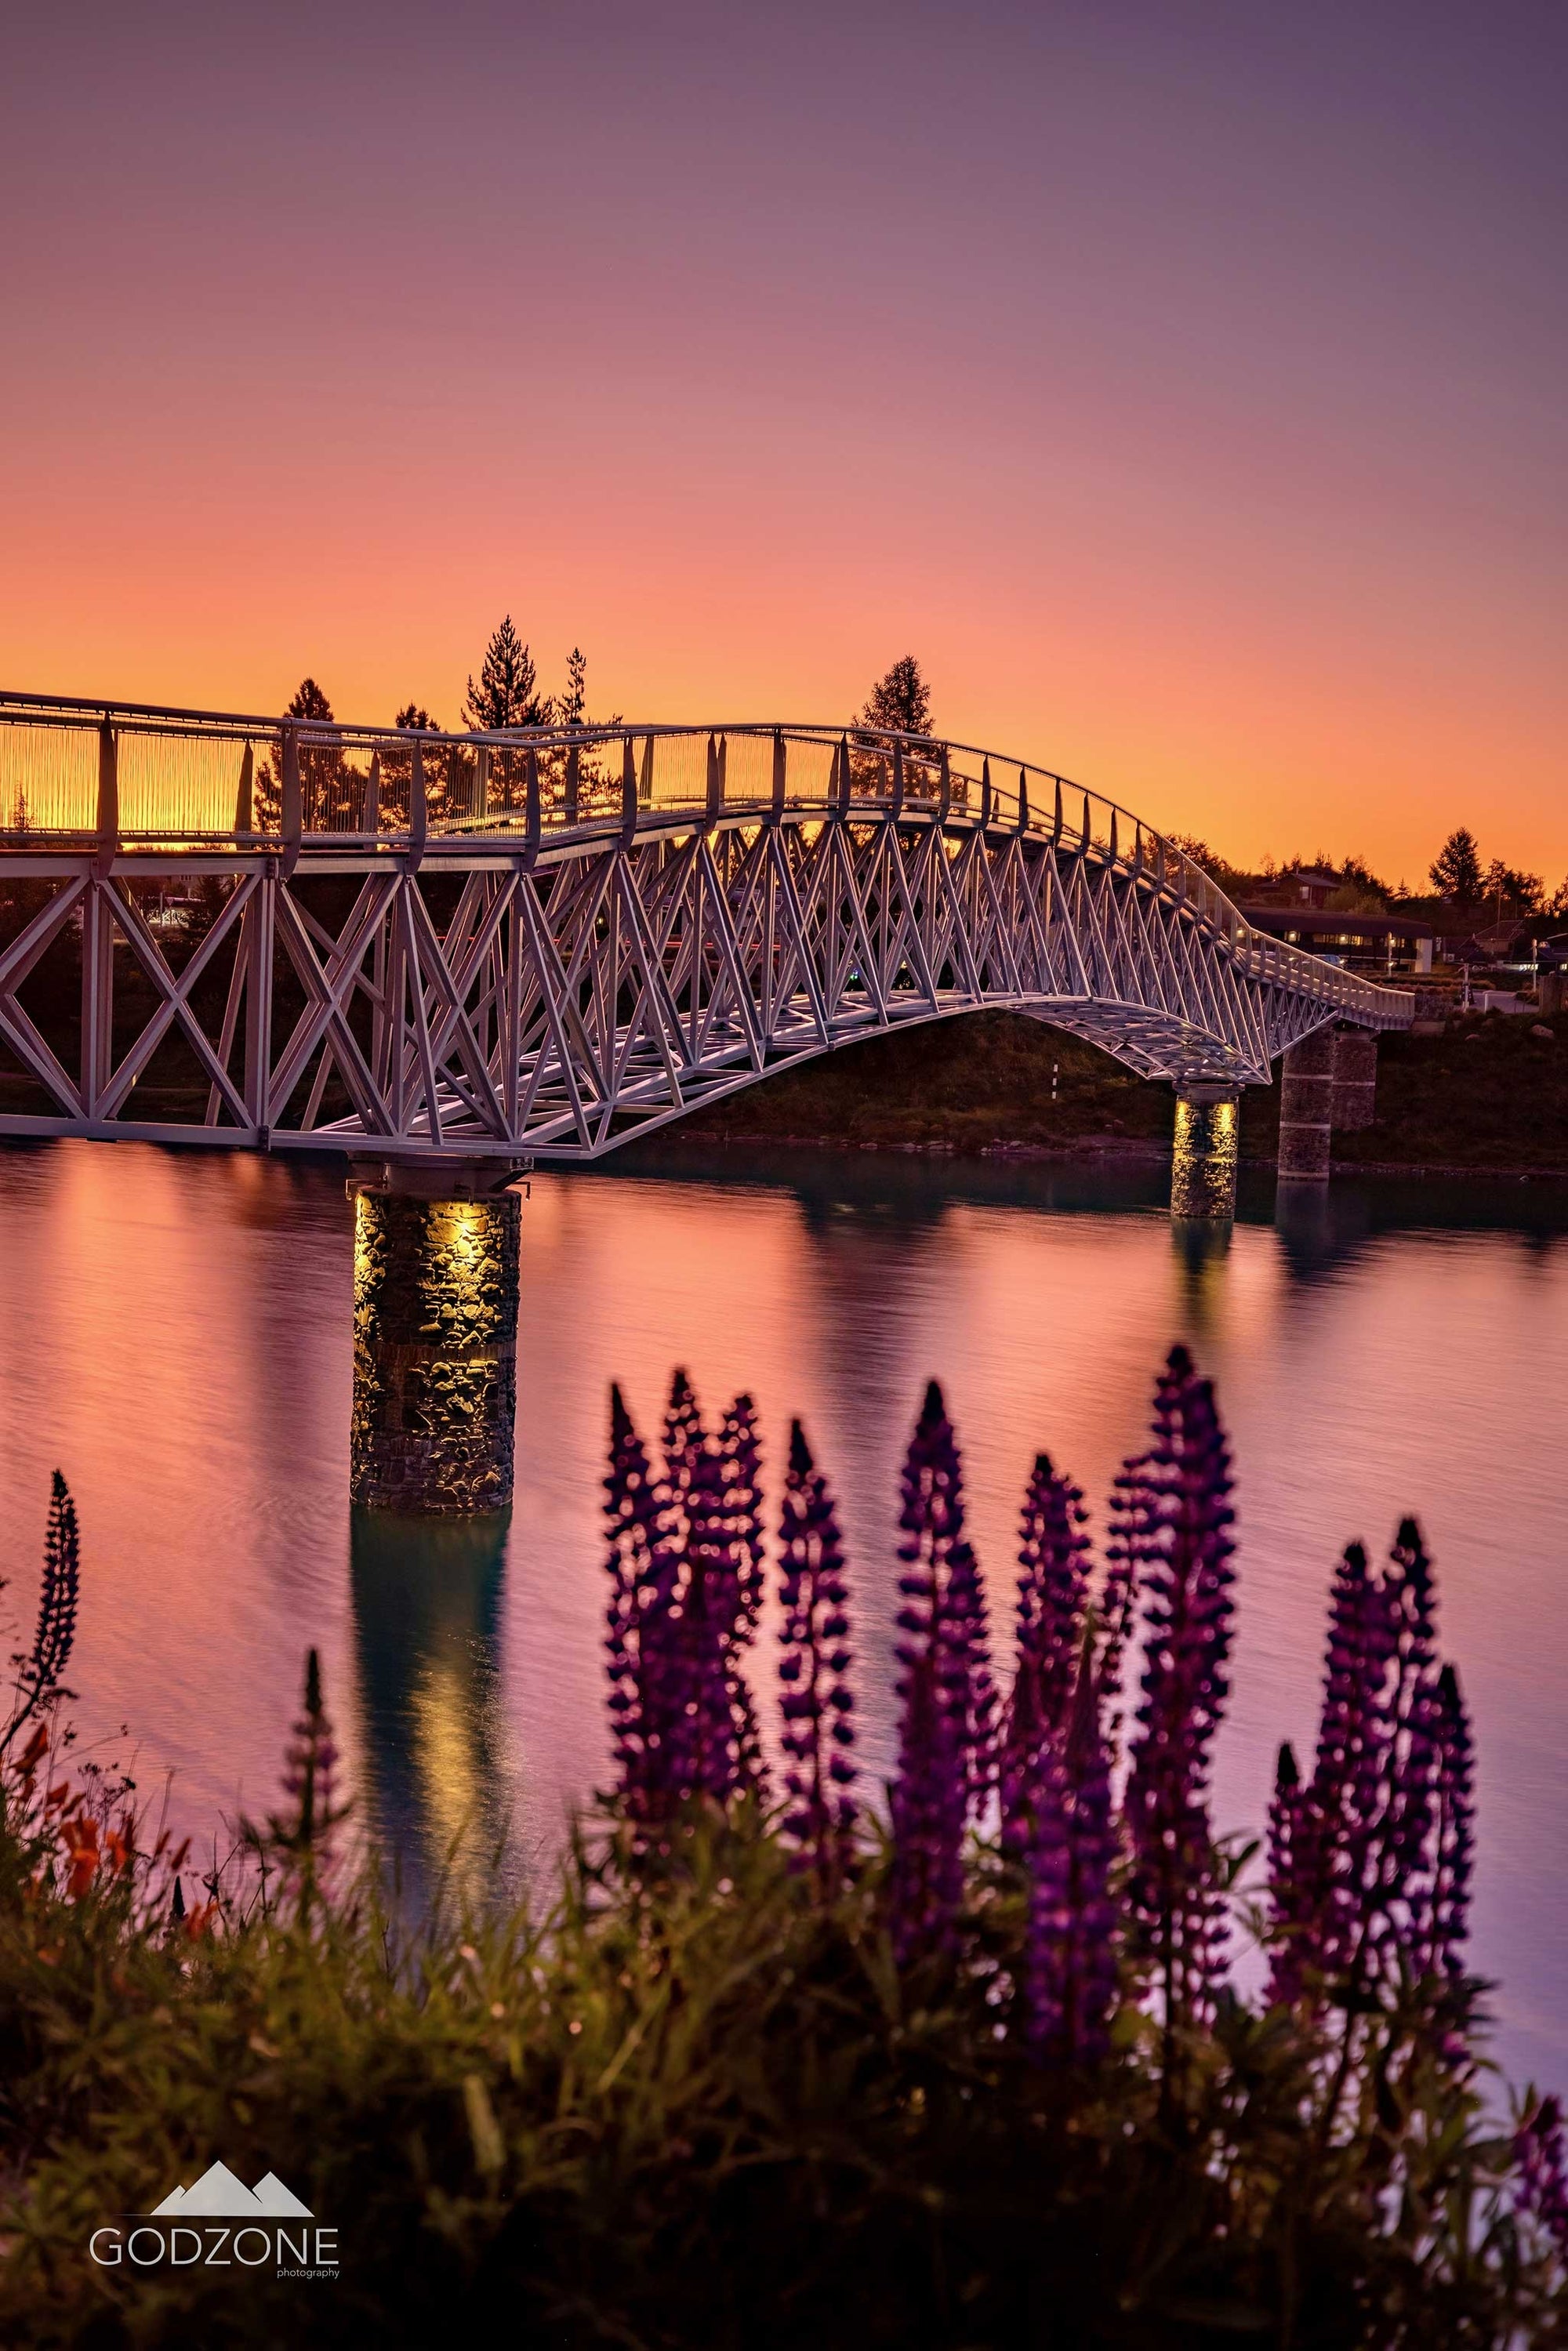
<point>1487,1094</point>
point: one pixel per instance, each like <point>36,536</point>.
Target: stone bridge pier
<point>435,1338</point>
<point>1328,1081</point>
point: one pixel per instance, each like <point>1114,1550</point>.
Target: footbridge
<point>492,948</point>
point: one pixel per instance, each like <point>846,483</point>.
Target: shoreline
<point>1091,1151</point>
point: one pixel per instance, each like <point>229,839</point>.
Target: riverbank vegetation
<point>786,2061</point>
<point>1489,1094</point>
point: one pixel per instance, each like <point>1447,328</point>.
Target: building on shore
<point>1376,944</point>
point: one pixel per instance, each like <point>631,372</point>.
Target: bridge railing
<point>82,775</point>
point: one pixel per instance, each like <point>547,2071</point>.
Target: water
<point>174,1334</point>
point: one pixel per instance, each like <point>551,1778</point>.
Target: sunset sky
<point>1185,385</point>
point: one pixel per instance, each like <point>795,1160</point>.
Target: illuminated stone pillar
<point>1203,1159</point>
<point>1306,1109</point>
<point>435,1343</point>
<point>1355,1078</point>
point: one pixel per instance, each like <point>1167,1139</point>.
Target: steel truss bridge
<point>511,946</point>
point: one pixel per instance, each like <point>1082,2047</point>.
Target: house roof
<point>1319,923</point>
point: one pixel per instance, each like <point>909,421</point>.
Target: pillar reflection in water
<point>1201,1246</point>
<point>427,1603</point>
<point>435,1345</point>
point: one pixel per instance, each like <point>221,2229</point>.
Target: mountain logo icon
<point>219,2196</point>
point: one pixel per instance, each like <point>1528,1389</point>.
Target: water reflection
<point>427,1642</point>
<point>176,1334</point>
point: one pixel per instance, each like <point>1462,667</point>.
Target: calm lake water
<point>175,1335</point>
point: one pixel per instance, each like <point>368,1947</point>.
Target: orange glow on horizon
<point>1185,403</point>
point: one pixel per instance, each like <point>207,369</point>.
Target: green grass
<point>711,2113</point>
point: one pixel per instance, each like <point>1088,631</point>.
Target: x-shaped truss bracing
<point>492,1004</point>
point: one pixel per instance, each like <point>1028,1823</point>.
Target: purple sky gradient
<point>1184,386</point>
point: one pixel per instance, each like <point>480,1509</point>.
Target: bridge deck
<point>541,944</point>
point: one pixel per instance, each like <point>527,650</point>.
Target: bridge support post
<point>1306,1109</point>
<point>1203,1159</point>
<point>1355,1077</point>
<point>435,1341</point>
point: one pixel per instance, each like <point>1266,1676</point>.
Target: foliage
<point>712,2096</point>
<point>309,702</point>
<point>508,693</point>
<point>1510,891</point>
<point>38,1670</point>
<point>1456,870</point>
<point>1214,863</point>
<point>900,703</point>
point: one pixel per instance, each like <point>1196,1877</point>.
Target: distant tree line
<point>1490,890</point>
<point>507,693</point>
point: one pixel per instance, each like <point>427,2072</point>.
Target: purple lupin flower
<point>1540,2161</point>
<point>739,1501</point>
<point>1337,1848</point>
<point>966,1619</point>
<point>681,1713</point>
<point>943,1592</point>
<point>709,1731</point>
<point>1067,1976</point>
<point>925,1882</point>
<point>1376,1805</point>
<point>1052,1601</point>
<point>1172,1517</point>
<point>645,1669</point>
<point>930,1795</point>
<point>1053,1586</point>
<point>816,1700</point>
<point>684,1439</point>
<point>1404,1882</point>
<point>741,1450</point>
<point>1293,1895</point>
<point>1455,1829</point>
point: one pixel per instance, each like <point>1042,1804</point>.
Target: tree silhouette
<point>900,703</point>
<point>413,714</point>
<point>1506,886</point>
<point>1457,868</point>
<point>322,765</point>
<point>309,702</point>
<point>573,703</point>
<point>508,693</point>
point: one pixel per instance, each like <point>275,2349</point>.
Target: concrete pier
<point>435,1339</point>
<point>1202,1158</point>
<point>1306,1109</point>
<point>1355,1078</point>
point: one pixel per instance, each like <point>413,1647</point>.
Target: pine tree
<point>414,716</point>
<point>322,774</point>
<point>900,703</point>
<point>573,703</point>
<point>1457,869</point>
<point>571,709</point>
<point>508,693</point>
<point>311,703</point>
